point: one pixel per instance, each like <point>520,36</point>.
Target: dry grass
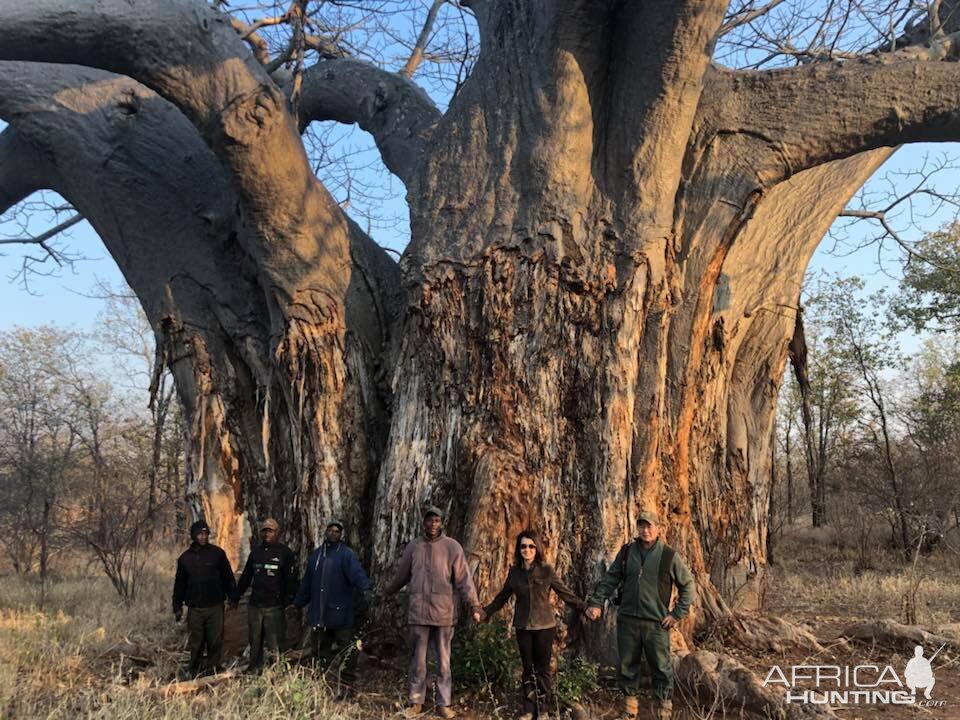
<point>816,577</point>
<point>62,662</point>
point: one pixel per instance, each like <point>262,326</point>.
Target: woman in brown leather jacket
<point>530,580</point>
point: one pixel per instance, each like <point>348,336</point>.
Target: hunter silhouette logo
<point>919,673</point>
<point>866,684</point>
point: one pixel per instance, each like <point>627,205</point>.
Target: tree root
<point>724,685</point>
<point>904,637</point>
<point>767,634</point>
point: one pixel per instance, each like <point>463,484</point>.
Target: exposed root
<point>726,686</point>
<point>771,634</point>
<point>904,637</point>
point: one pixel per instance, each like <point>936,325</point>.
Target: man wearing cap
<point>646,570</point>
<point>435,570</point>
<point>203,581</point>
<point>271,569</point>
<point>331,576</point>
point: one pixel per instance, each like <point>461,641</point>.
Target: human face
<point>431,526</point>
<point>334,533</point>
<point>203,537</point>
<point>269,535</point>
<point>648,533</point>
<point>528,550</point>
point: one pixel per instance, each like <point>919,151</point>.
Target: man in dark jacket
<point>271,569</point>
<point>331,576</point>
<point>647,571</point>
<point>204,580</point>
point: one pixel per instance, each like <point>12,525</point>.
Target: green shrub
<point>575,680</point>
<point>485,656</point>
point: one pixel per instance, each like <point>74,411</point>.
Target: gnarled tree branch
<point>391,108</point>
<point>22,169</point>
<point>190,54</point>
<point>882,100</point>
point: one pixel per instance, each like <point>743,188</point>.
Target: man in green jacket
<point>646,572</point>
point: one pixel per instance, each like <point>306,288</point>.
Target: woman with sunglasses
<point>531,579</point>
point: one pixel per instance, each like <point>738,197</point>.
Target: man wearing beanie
<point>331,576</point>
<point>204,580</point>
<point>271,570</point>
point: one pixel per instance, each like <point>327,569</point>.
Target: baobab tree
<point>608,233</point>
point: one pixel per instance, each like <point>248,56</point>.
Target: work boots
<point>663,710</point>
<point>629,707</point>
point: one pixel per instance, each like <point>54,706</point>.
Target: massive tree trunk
<point>592,318</point>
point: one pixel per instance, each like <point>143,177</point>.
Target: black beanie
<point>197,527</point>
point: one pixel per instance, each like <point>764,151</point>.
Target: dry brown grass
<point>62,662</point>
<point>816,577</point>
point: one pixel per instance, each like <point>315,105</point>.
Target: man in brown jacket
<point>435,569</point>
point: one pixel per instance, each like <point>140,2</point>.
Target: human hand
<point>477,617</point>
<point>594,613</point>
<point>668,622</point>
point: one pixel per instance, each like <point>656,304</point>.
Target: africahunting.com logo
<point>859,684</point>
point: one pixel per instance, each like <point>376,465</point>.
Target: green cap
<point>648,516</point>
<point>334,521</point>
<point>432,510</point>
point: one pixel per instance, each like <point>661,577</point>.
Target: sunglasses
<point>527,546</point>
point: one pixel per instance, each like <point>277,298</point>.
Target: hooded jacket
<point>330,577</point>
<point>204,577</point>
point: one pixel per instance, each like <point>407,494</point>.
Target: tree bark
<point>608,240</point>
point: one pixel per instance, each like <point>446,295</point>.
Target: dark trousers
<point>536,649</point>
<point>638,639</point>
<point>266,628</point>
<point>336,650</point>
<point>205,628</point>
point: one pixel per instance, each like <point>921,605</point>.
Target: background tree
<point>605,236</point>
<point>38,447</point>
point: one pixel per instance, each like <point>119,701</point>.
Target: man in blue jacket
<point>331,576</point>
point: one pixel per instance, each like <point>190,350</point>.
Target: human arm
<point>290,578</point>
<point>500,600</point>
<point>306,583</point>
<point>463,581</point>
<point>611,580</point>
<point>227,580</point>
<point>179,590</point>
<point>359,579</point>
<point>567,595</point>
<point>401,575</point>
<point>686,588</point>
<point>246,577</point>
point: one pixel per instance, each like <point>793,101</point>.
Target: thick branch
<point>655,89</point>
<point>22,170</point>
<point>388,106</point>
<point>191,55</point>
<point>820,112</point>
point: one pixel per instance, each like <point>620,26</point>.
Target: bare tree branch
<point>745,16</point>
<point>388,106</point>
<point>420,47</point>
